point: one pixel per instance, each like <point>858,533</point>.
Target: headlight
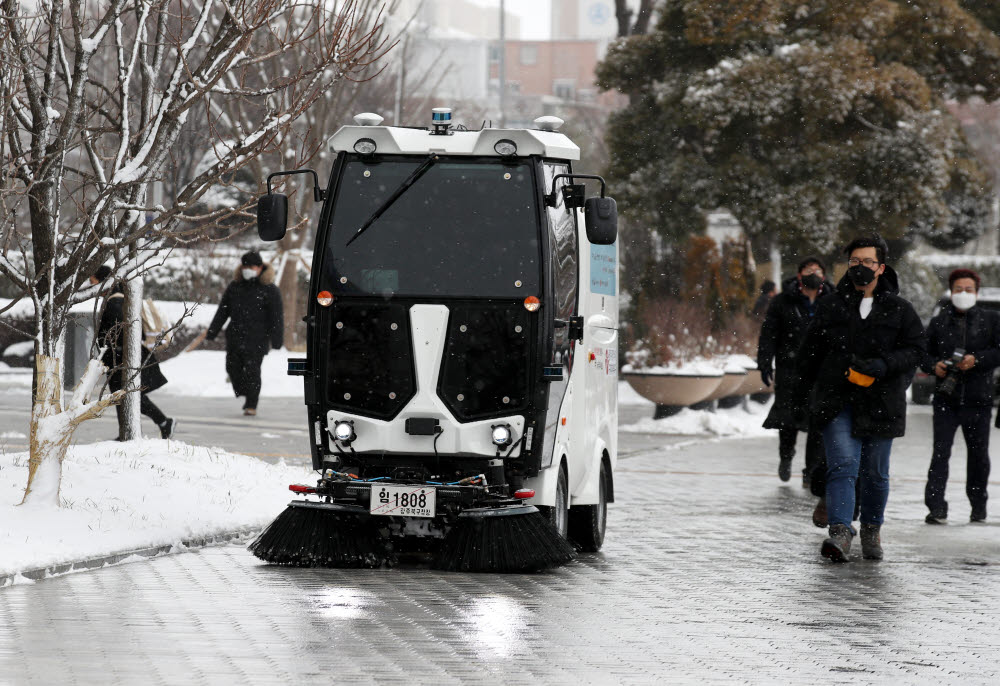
<point>344,432</point>
<point>365,146</point>
<point>505,147</point>
<point>501,435</point>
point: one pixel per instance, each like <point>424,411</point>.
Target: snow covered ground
<point>14,377</point>
<point>125,496</point>
<point>734,422</point>
<point>202,373</point>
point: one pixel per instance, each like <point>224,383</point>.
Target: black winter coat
<point>785,325</point>
<point>111,333</point>
<point>253,309</point>
<point>892,332</point>
<point>978,333</point>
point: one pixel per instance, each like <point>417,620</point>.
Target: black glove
<point>766,373</point>
<point>874,366</point>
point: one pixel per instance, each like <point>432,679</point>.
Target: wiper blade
<point>410,180</point>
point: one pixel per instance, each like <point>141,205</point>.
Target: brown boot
<point>871,543</point>
<point>838,545</point>
<point>819,514</point>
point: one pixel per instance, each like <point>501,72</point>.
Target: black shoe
<point>785,469</point>
<point>871,542</point>
<point>806,481</point>
<point>838,545</point>
<point>978,514</point>
<point>167,428</point>
<point>936,517</point>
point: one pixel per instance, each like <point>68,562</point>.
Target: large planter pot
<point>674,390</point>
<point>752,384</point>
<point>731,382</point>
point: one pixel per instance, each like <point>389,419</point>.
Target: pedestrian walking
<point>784,327</point>
<point>963,349</point>
<point>111,336</point>
<point>252,306</point>
<point>857,359</point>
<point>768,290</point>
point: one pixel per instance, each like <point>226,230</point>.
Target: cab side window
<point>562,237</point>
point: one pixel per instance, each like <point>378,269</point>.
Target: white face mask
<point>249,273</point>
<point>963,300</point>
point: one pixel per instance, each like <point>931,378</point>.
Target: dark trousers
<point>243,367</point>
<point>146,406</point>
<point>814,447</point>
<point>975,423</point>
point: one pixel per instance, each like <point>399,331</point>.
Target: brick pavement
<point>710,574</point>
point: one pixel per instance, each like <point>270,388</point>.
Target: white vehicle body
<point>563,426</point>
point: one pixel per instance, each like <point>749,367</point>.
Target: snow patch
<point>141,494</point>
<point>733,422</point>
<point>202,373</point>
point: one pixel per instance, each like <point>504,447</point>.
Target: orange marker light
<point>324,298</point>
<point>531,303</point>
<point>564,421</point>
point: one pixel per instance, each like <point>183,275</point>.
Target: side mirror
<point>272,216</point>
<point>601,218</point>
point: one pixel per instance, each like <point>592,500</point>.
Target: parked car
<point>922,390</point>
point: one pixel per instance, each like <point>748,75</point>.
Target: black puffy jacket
<point>978,333</point>
<point>892,332</point>
<point>254,311</point>
<point>111,335</point>
<point>785,325</point>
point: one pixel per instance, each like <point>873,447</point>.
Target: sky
<point>535,17</point>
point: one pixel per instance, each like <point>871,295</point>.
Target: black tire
<point>587,523</point>
<point>558,514</point>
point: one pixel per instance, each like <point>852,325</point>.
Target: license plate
<point>402,501</point>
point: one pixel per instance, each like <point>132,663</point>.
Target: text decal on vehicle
<point>402,501</point>
<point>603,269</point>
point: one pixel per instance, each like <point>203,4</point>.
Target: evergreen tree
<point>808,121</point>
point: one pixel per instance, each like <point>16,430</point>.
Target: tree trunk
<point>49,435</point>
<point>131,420</point>
<point>288,284</point>
<point>52,426</point>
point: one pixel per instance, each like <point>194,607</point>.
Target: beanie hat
<point>252,259</point>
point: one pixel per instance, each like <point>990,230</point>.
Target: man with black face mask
<point>963,349</point>
<point>788,315</point>
<point>857,359</point>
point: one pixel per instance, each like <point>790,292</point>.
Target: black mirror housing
<point>601,218</point>
<point>272,216</point>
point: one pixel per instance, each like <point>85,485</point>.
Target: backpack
<point>156,336</point>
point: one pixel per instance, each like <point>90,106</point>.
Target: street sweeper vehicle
<point>460,377</point>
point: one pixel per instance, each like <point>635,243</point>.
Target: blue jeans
<point>847,460</point>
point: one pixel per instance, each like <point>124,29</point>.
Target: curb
<point>99,562</point>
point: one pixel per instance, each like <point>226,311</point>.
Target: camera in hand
<point>949,384</point>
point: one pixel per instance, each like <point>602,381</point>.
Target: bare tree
<point>95,97</point>
<point>623,13</point>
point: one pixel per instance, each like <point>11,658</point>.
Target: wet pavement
<point>710,573</point>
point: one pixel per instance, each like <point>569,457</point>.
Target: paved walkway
<point>710,573</point>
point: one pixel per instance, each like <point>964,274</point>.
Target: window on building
<point>564,89</point>
<point>529,55</point>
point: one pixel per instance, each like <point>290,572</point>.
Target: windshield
<point>463,229</point>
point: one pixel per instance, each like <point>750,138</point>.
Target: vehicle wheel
<point>587,523</point>
<point>559,514</point>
